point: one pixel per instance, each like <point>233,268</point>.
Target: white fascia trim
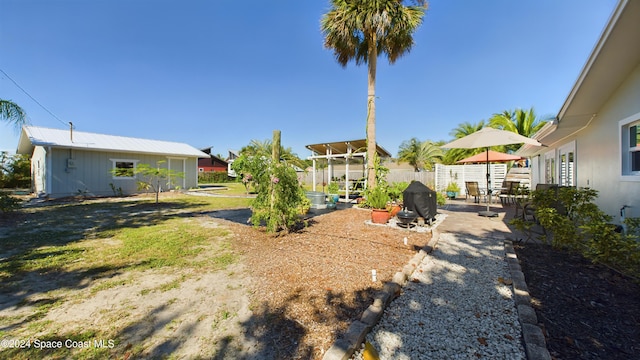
<point>594,55</point>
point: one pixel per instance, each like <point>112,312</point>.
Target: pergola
<point>342,150</point>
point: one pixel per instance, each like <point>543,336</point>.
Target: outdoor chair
<point>507,192</point>
<point>473,190</point>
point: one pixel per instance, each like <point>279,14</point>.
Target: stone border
<point>534,341</point>
<point>345,346</point>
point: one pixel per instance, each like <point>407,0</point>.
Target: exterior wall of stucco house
<point>590,142</point>
<point>65,164</point>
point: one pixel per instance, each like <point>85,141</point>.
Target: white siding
<point>598,163</point>
<point>91,172</point>
<point>598,151</point>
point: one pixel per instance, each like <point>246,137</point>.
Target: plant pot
<point>452,194</point>
<point>380,216</point>
<point>335,197</point>
<point>393,210</point>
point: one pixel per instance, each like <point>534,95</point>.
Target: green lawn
<point>230,188</point>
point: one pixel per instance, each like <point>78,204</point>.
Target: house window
<point>567,165</point>
<point>550,167</point>
<point>123,168</point>
<point>634,147</point>
<point>630,146</point>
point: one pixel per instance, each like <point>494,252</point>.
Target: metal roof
<point>32,136</point>
<point>341,147</point>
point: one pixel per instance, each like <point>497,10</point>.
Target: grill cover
<point>421,200</point>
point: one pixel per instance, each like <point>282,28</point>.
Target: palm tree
<point>12,113</point>
<point>419,154</point>
<point>519,121</point>
<point>464,129</point>
<point>361,31</point>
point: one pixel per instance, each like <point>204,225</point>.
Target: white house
<point>67,162</point>
<point>595,139</point>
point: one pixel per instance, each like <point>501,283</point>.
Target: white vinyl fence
<point>437,180</point>
<point>474,172</point>
<point>426,177</point>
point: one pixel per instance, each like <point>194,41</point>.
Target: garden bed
<point>587,311</point>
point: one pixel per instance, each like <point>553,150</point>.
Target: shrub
<point>214,177</point>
<point>575,222</point>
<point>15,171</point>
<point>8,203</point>
<point>333,188</point>
<point>396,189</point>
<point>280,197</point>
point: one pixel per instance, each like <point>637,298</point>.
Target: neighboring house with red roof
<point>66,162</point>
<point>211,163</point>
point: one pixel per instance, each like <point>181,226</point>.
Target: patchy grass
<point>175,284</point>
<point>88,344</point>
<point>90,244</point>
<point>110,284</point>
<point>230,188</point>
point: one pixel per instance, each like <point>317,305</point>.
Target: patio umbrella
<point>487,137</point>
<point>492,156</point>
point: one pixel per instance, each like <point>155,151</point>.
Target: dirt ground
<point>587,311</point>
<point>290,296</point>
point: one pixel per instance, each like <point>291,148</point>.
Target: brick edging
<point>344,347</point>
<point>534,341</point>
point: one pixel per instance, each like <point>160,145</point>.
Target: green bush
<point>214,177</point>
<point>575,222</point>
<point>333,188</point>
<point>8,203</point>
<point>280,197</point>
<point>396,189</point>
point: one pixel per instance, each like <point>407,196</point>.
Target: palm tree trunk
<point>371,113</point>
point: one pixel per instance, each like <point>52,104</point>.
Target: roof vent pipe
<point>71,130</point>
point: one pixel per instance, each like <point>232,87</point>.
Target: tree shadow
<point>279,336</point>
<point>275,332</point>
<point>40,237</point>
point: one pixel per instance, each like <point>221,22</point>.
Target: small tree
<point>15,171</point>
<point>279,194</point>
<point>153,178</point>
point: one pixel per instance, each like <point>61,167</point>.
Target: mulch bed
<point>310,285</point>
<point>587,311</point>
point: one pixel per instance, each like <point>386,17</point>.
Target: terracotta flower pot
<point>394,209</point>
<point>380,216</point>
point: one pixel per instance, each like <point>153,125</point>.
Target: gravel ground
<point>458,305</point>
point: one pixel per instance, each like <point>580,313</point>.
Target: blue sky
<point>221,73</point>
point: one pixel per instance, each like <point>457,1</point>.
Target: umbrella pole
<point>488,212</point>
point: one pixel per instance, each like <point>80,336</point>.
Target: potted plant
<point>395,192</point>
<point>452,190</point>
<point>377,200</point>
<point>332,190</point>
